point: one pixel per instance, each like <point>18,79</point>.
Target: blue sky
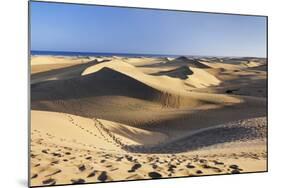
<point>84,28</point>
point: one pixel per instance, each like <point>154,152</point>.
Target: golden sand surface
<point>97,119</point>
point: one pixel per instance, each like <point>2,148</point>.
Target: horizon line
<point>146,54</point>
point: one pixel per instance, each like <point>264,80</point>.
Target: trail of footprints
<point>101,129</point>
<point>160,166</point>
<point>150,166</point>
<point>51,159</point>
<point>102,132</point>
<point>167,166</point>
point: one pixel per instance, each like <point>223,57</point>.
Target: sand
<point>99,119</point>
<point>45,63</point>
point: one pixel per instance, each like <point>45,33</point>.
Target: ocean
<point>81,54</point>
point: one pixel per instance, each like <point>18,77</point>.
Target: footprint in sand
<point>154,166</point>
<point>103,176</point>
<point>135,167</point>
<point>32,155</point>
<point>56,172</point>
<point>211,167</point>
<point>92,174</point>
<point>77,181</point>
<point>45,151</point>
<point>235,169</point>
<point>234,166</point>
<point>129,158</point>
<point>34,176</point>
<point>50,181</point>
<point>81,167</point>
<point>55,162</point>
<point>218,163</point>
<point>189,165</point>
<point>57,154</point>
<point>154,175</point>
<point>119,158</point>
<point>171,168</point>
<point>203,161</point>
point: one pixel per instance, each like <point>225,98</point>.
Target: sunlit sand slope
<point>99,119</point>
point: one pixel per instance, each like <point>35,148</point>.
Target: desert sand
<point>99,119</point>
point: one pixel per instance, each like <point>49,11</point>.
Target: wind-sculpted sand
<point>119,118</point>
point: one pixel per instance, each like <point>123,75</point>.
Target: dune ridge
<point>146,117</point>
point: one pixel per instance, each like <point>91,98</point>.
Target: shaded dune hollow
<point>102,119</point>
<point>105,82</point>
<point>180,61</point>
<point>232,132</point>
<point>190,62</point>
<point>182,72</point>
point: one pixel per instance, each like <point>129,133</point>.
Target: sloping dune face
<point>122,118</point>
<point>118,84</point>
<point>198,78</point>
<point>83,130</point>
<point>190,62</point>
<point>160,83</point>
<point>47,63</point>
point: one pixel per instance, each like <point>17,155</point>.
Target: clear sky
<point>84,28</point>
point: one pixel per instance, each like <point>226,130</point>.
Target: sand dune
<point>138,62</point>
<point>197,77</point>
<point>63,73</point>
<point>237,131</point>
<point>56,123</point>
<point>170,84</point>
<point>134,93</point>
<point>193,77</point>
<point>188,62</point>
<point>146,117</point>
<point>253,64</point>
<point>180,61</point>
<point>182,72</point>
<point>88,152</point>
<point>123,79</point>
<point>47,63</point>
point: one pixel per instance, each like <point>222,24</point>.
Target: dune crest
<point>198,79</point>
<point>126,118</point>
